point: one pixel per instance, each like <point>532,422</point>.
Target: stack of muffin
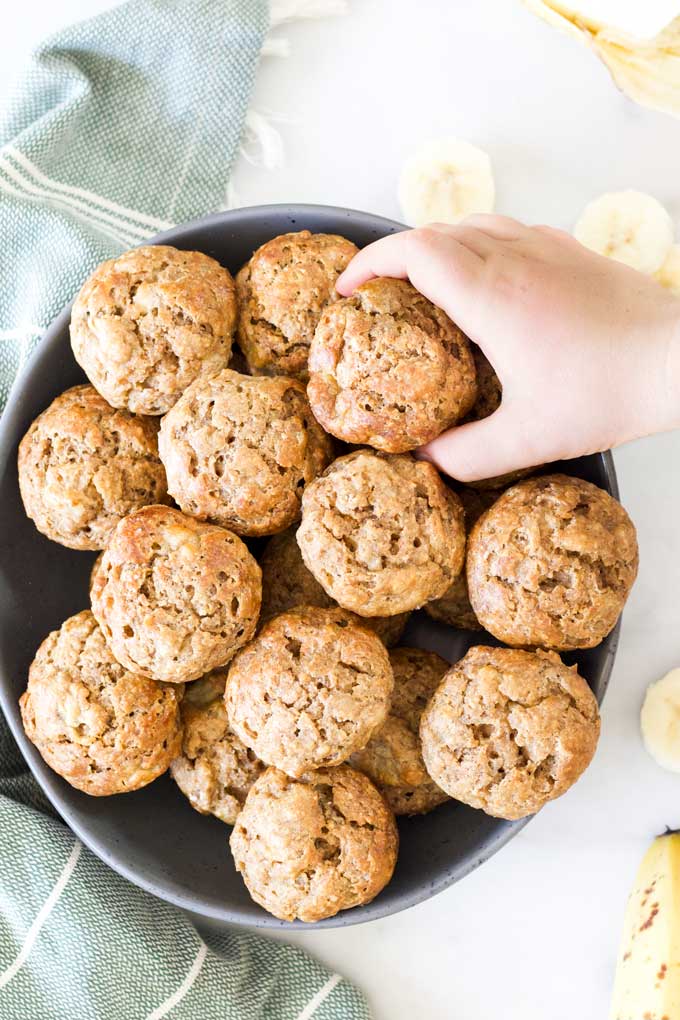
<point>268,689</point>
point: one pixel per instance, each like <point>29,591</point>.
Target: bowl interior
<point>153,837</point>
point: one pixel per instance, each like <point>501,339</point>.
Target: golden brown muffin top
<point>392,757</point>
<point>381,533</point>
<point>239,451</point>
<point>287,583</point>
<point>174,596</point>
<point>282,292</point>
<point>104,729</point>
<point>309,690</point>
<point>310,847</point>
<point>509,730</point>
<point>551,563</point>
<point>388,368</point>
<point>150,321</point>
<point>83,465</point>
<point>214,769</point>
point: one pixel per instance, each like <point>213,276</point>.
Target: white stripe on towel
<point>57,203</point>
<point>96,215</point>
<point>323,993</point>
<point>180,992</point>
<point>42,916</point>
<point>138,218</point>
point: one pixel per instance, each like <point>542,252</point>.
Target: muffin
<point>454,608</point>
<point>489,389</point>
<point>214,770</point>
<point>102,728</point>
<point>381,533</point>
<point>175,597</point>
<point>239,451</point>
<point>551,563</point>
<point>286,583</point>
<point>282,292</point>
<point>392,758</point>
<point>388,368</point>
<point>149,322</point>
<point>84,465</point>
<point>489,396</point>
<point>509,730</point>
<point>310,847</point>
<point>309,690</point>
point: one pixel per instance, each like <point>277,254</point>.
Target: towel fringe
<point>281,11</point>
<point>262,145</point>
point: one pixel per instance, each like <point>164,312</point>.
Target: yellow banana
<point>647,982</point>
<point>647,70</point>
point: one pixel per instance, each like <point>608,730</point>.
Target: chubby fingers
<point>483,449</point>
<point>444,269</point>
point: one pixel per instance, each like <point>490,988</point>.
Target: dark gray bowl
<point>153,837</point>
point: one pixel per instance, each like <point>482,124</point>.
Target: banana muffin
<point>102,728</point>
<point>214,770</point>
<point>454,608</point>
<point>551,564</point>
<point>286,583</point>
<point>309,690</point>
<point>310,847</point>
<point>175,597</point>
<point>388,368</point>
<point>282,292</point>
<point>149,322</point>
<point>392,758</point>
<point>381,533</point>
<point>83,465</point>
<point>239,451</point>
<point>509,730</point>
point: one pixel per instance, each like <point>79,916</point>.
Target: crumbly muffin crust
<point>286,583</point>
<point>282,292</point>
<point>83,465</point>
<point>454,608</point>
<point>149,322</point>
<point>309,690</point>
<point>392,757</point>
<point>214,770</point>
<point>311,847</point>
<point>509,730</point>
<point>381,533</point>
<point>239,450</point>
<point>175,597</point>
<point>102,728</point>
<point>551,563</point>
<point>388,368</point>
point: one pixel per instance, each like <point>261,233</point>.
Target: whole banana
<point>647,982</point>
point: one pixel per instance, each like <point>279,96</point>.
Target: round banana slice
<point>445,181</point>
<point>669,274</point>
<point>660,721</point>
<point>628,226</point>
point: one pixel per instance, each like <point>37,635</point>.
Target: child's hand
<point>587,350</point>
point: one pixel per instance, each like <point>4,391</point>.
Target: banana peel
<point>647,982</point>
<point>647,70</point>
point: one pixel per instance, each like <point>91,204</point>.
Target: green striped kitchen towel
<point>122,126</point>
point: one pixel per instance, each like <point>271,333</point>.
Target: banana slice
<point>660,721</point>
<point>669,274</point>
<point>628,226</point>
<point>445,181</point>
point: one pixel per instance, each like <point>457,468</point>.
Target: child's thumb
<point>482,449</point>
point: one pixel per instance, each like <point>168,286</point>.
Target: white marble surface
<point>533,933</point>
